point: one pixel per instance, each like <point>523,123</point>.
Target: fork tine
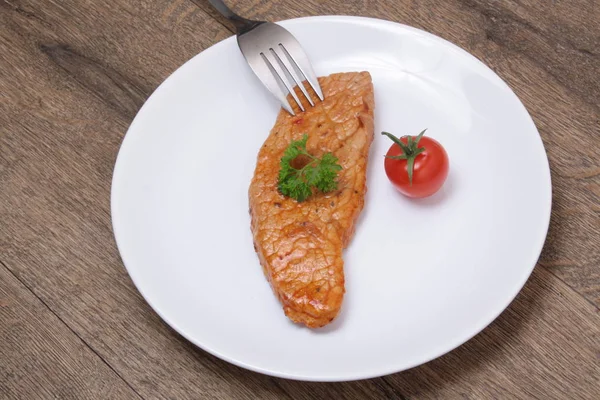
<point>303,66</point>
<point>293,73</point>
<point>284,75</point>
<point>268,76</point>
<point>281,79</point>
<point>279,61</point>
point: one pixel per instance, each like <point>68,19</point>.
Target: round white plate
<point>423,276</point>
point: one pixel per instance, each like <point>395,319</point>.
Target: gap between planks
<point>3,265</point>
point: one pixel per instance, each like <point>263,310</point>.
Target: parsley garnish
<point>318,172</point>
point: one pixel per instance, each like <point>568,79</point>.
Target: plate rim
<point>373,373</point>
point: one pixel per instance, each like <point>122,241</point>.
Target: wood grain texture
<point>74,73</point>
<point>40,357</point>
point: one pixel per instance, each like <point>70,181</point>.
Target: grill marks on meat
<point>300,245</point>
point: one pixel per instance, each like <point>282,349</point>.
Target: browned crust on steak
<point>300,245</point>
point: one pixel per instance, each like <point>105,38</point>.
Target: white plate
<point>422,276</point>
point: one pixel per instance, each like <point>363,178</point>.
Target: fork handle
<point>242,25</point>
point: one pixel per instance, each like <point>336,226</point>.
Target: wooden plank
<point>548,54</point>
<point>120,52</point>
<point>561,38</point>
<point>41,358</point>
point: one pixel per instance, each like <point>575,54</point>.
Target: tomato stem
<point>410,151</point>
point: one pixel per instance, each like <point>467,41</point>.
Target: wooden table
<point>73,74</point>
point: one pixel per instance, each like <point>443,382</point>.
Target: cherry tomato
<point>429,169</point>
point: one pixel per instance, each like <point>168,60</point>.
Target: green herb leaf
<point>319,173</point>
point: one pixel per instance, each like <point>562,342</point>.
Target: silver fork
<point>275,56</point>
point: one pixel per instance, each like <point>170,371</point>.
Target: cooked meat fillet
<point>300,244</point>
